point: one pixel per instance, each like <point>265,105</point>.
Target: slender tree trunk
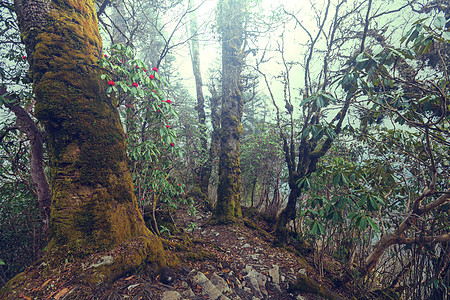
<point>215,140</point>
<point>228,207</point>
<point>200,107</point>
<point>94,208</point>
<point>28,127</point>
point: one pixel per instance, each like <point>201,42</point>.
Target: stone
<point>246,246</point>
<point>257,282</point>
<point>167,276</point>
<point>209,289</point>
<point>104,260</point>
<point>171,295</point>
<point>274,273</point>
<point>220,283</point>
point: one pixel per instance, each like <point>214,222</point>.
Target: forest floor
<point>210,262</point>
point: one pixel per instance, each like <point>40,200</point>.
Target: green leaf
<point>321,229</point>
<point>103,76</point>
<point>307,100</point>
<point>314,228</point>
<point>2,263</point>
<point>337,179</point>
<point>439,22</point>
<point>372,204</point>
<point>373,224</point>
<point>446,35</point>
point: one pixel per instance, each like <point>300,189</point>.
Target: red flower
<point>111,83</point>
<point>172,144</point>
<point>24,57</point>
<point>145,70</point>
<point>168,101</point>
<point>105,55</point>
<point>155,69</point>
<point>154,91</point>
<point>179,184</point>
<point>135,84</point>
<point>151,76</point>
<point>167,126</point>
<point>121,61</point>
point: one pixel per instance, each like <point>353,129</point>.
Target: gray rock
<point>246,246</point>
<point>188,293</point>
<point>220,283</point>
<point>171,295</point>
<point>209,289</point>
<point>257,282</point>
<point>274,273</point>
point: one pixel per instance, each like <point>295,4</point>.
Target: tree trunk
<point>228,208</point>
<point>93,207</point>
<point>215,142</point>
<point>200,107</point>
<point>28,127</point>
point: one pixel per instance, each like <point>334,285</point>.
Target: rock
<point>187,293</point>
<point>171,295</point>
<point>299,297</point>
<point>220,283</point>
<point>274,273</point>
<point>257,282</point>
<point>105,260</point>
<point>167,276</point>
<point>246,246</point>
<point>302,271</point>
<point>209,289</point>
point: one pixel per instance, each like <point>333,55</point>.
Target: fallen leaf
<point>61,293</point>
<point>45,283</point>
<point>131,277</point>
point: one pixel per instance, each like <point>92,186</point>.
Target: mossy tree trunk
<point>231,27</point>
<point>93,203</point>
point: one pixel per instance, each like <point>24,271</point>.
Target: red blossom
<point>179,184</point>
<point>145,70</point>
<point>24,57</point>
<point>151,76</point>
<point>154,91</point>
<point>105,55</point>
<point>111,83</point>
<point>155,69</point>
<point>172,144</point>
<point>135,84</point>
<point>168,101</point>
<point>167,126</point>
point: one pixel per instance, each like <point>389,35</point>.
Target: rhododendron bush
<point>146,113</point>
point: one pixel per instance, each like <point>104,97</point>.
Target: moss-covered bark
<point>93,206</point>
<point>231,22</point>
